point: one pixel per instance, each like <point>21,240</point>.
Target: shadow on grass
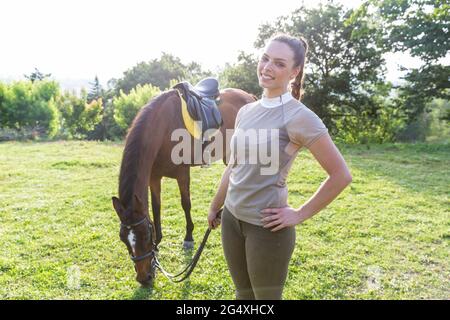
<point>142,293</point>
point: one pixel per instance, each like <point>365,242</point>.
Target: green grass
<point>385,237</point>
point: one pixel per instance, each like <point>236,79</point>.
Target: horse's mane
<point>135,148</point>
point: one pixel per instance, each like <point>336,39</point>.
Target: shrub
<point>126,106</point>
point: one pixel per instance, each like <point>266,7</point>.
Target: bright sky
<point>84,38</point>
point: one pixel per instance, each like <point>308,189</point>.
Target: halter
<point>155,262</point>
<point>150,229</point>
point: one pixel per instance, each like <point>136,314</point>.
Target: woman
<point>258,226</point>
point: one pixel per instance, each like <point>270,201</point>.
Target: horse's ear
<point>118,206</point>
<point>138,204</point>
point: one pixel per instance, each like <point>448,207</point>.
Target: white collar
<point>277,101</point>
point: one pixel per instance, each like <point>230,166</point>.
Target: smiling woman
<point>258,225</point>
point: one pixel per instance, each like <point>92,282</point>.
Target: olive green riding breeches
<point>257,258</point>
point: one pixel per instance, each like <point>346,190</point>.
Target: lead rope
<point>190,267</point>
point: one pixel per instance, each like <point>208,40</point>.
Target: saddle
<point>198,104</point>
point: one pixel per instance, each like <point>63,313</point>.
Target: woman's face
<point>276,68</point>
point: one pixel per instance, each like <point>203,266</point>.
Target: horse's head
<point>138,233</point>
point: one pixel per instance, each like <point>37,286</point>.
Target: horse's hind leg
<point>155,190</point>
<point>183,184</point>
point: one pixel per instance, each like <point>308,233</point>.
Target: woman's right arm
<point>219,198</point>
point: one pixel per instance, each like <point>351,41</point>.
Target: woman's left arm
<point>339,177</point>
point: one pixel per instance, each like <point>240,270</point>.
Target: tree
<point>159,73</point>
<point>37,75</point>
<point>78,116</point>
<point>195,73</point>
<point>421,29</point>
<point>422,85</point>
<point>26,105</point>
<point>126,106</point>
<point>242,75</point>
<point>102,98</point>
<point>96,92</point>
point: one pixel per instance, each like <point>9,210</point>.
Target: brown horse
<point>146,159</point>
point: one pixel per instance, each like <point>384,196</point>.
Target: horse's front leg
<point>155,190</point>
<point>183,184</point>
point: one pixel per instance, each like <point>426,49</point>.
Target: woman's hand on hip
<point>280,218</point>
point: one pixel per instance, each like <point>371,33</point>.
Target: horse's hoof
<point>188,244</point>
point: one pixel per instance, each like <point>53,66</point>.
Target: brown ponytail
<point>300,47</point>
<point>296,86</point>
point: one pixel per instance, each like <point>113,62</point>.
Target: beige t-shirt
<point>263,148</point>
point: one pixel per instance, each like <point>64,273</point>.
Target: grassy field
<point>385,237</point>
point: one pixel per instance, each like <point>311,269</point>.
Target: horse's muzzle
<point>147,282</point>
